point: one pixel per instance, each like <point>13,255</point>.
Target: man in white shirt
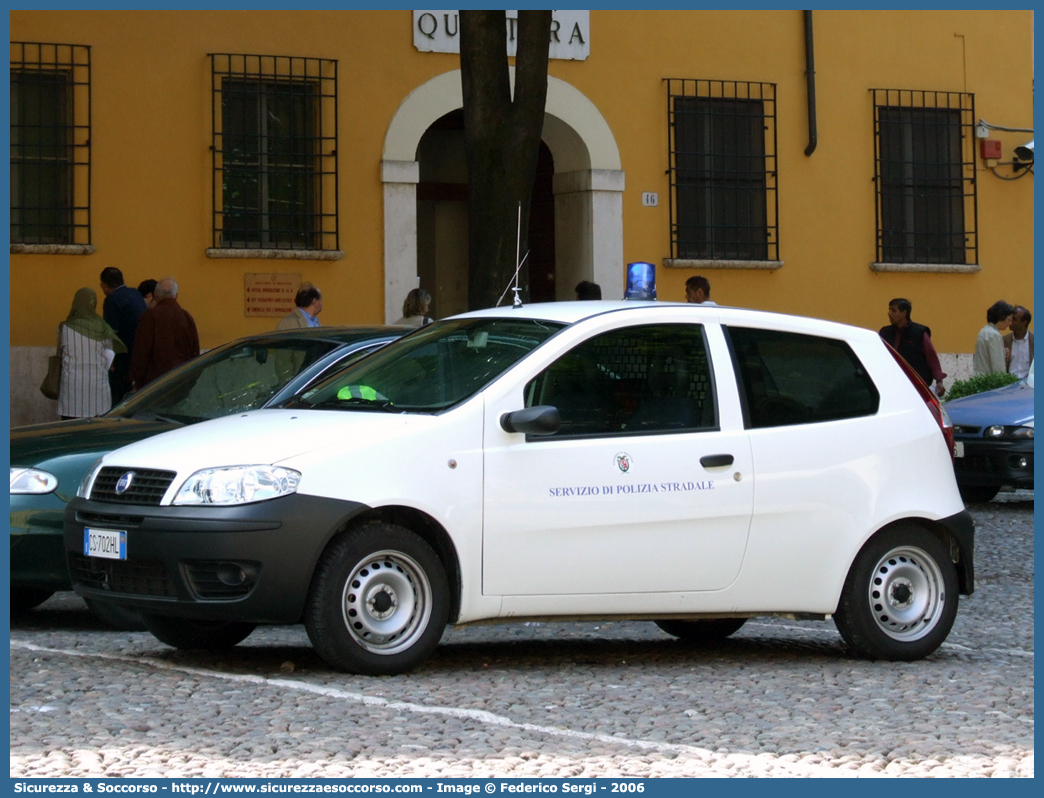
<point>989,356</point>
<point>697,291</point>
<point>1018,343</point>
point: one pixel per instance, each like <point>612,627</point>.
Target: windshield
<point>434,368</point>
<point>231,379</point>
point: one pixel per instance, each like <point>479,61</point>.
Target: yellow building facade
<point>244,152</point>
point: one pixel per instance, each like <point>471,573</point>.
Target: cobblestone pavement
<point>781,698</point>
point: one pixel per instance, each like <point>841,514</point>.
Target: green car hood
<point>67,450</point>
<point>39,444</point>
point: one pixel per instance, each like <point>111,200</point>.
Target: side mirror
<point>539,420</point>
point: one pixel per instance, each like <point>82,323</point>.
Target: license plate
<point>958,448</point>
<point>108,543</point>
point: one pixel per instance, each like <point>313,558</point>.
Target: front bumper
<point>996,462</point>
<point>37,542</point>
<point>250,563</point>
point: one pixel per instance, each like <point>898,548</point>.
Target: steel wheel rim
<point>907,593</point>
<point>386,602</point>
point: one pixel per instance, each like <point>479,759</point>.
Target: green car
<point>48,461</point>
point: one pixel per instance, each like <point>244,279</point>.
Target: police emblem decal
<point>623,462</point>
<point>124,482</point>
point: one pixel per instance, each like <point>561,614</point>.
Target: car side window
<point>648,379</point>
<point>790,378</point>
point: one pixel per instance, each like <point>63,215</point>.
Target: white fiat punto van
<point>690,465</point>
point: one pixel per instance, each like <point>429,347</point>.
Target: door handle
<point>716,460</point>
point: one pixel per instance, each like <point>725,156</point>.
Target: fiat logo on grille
<point>124,482</point>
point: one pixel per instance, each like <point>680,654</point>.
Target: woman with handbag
<point>87,345</point>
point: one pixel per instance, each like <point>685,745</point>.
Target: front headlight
<point>32,480</point>
<point>238,485</point>
<point>999,431</point>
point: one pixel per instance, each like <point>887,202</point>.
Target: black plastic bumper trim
<point>961,527</point>
<point>285,536</point>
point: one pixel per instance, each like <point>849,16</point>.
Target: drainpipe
<point>810,81</point>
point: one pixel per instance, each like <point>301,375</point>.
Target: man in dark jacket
<point>166,336</point>
<point>914,342</point>
<point>122,309</point>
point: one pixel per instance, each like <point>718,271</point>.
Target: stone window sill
<point>276,254</point>
<point>230,252</point>
<point>52,249</point>
<point>927,268</point>
<point>682,263</point>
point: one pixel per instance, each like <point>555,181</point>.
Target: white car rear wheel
<point>900,598</point>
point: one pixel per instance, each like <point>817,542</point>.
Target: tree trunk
<point>501,142</point>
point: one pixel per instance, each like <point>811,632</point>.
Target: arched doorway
<point>540,265</point>
<point>442,221</point>
<point>581,165</point>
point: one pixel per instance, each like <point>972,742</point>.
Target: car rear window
<point>232,379</point>
<point>789,378</point>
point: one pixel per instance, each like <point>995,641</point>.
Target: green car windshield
<point>232,379</point>
<point>433,369</point>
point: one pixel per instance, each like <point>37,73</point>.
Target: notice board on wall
<point>270,294</point>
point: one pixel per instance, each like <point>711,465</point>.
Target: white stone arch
<point>588,187</point>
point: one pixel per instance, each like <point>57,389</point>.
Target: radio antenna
<point>517,301</point>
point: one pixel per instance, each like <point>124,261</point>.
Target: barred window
<point>925,176</point>
<point>50,143</point>
<point>275,152</point>
<point>723,170</point>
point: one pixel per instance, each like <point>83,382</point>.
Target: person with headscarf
<point>87,345</point>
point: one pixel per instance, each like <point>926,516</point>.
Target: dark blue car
<point>993,440</point>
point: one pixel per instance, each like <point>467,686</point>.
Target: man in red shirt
<point>166,336</point>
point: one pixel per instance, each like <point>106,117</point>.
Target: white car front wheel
<point>379,601</point>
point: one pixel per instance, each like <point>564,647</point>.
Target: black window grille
<point>723,170</point>
<point>50,143</point>
<point>925,177</point>
<point>275,152</point>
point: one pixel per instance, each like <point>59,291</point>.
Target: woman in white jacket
<point>87,345</point>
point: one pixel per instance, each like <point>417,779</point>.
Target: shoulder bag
<point>49,386</point>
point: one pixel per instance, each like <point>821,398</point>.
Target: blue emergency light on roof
<point>641,281</point>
